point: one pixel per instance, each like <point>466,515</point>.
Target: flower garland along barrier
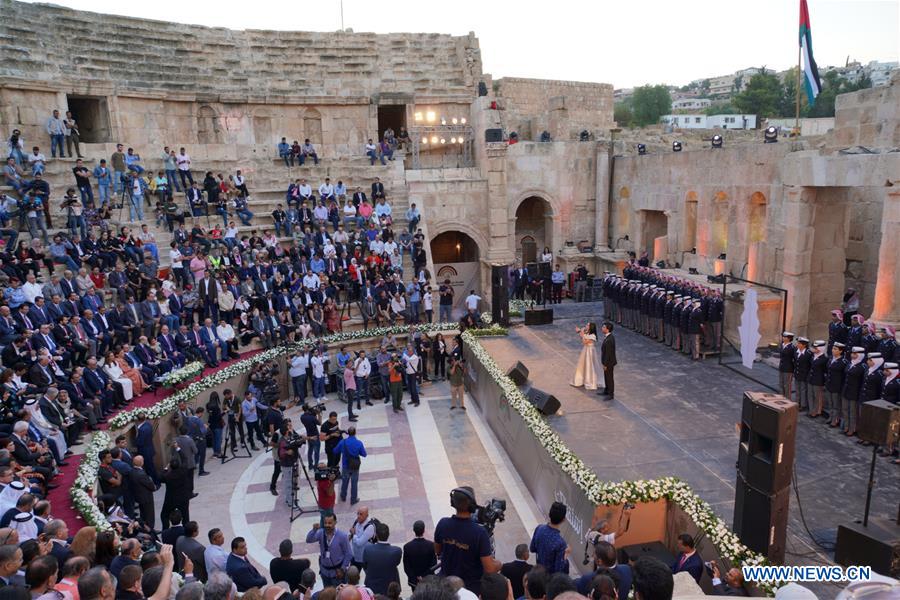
<point>83,486</point>
<point>613,493</point>
<point>188,371</point>
<point>170,403</point>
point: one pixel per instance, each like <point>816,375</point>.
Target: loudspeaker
<point>544,402</point>
<point>539,316</point>
<point>877,546</point>
<point>760,520</point>
<point>543,269</point>
<point>879,422</point>
<point>493,135</point>
<point>500,294</point>
<point>768,435</point>
<point>518,373</point>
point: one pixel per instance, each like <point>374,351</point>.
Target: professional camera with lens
<point>488,515</point>
<point>314,408</point>
<point>294,440</point>
<point>327,473</point>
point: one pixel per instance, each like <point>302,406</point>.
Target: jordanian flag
<point>810,70</point>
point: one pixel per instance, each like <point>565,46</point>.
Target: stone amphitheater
<point>811,216</point>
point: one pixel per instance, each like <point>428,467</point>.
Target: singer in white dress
<point>586,369</point>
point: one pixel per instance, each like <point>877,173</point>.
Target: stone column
<point>559,119</point>
<point>501,232</point>
<point>798,213</point>
<point>887,286</point>
<point>601,208</point>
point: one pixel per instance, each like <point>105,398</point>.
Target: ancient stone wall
<point>110,54</point>
<point>869,117</point>
<point>564,108</point>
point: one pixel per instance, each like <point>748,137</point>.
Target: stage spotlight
<point>453,140</point>
<point>460,139</point>
<point>430,116</point>
<point>463,120</point>
<point>717,141</point>
<point>455,120</point>
<point>676,146</point>
<point>418,116</point>
<point>434,139</point>
<point>642,149</point>
<point>443,141</point>
<point>424,140</point>
<point>443,121</point>
<point>771,135</point>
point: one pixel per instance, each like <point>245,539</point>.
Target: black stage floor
<point>674,416</point>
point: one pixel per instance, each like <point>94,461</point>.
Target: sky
<point>622,42</point>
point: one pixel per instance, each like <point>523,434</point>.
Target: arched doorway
<point>534,228</point>
<point>456,257</point>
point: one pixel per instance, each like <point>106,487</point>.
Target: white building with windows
<point>709,121</point>
<point>691,104</point>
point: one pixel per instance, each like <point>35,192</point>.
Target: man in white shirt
<point>398,308</point>
<point>36,161</point>
<point>411,362</point>
<point>215,556</point>
<point>31,289</point>
<point>226,334</point>
<point>472,300</point>
<point>317,363</point>
<point>183,160</point>
<point>311,281</point>
<point>362,368</point>
<point>297,373</point>
<point>305,190</point>
<point>326,190</point>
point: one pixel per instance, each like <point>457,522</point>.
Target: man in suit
<point>209,296</point>
<point>40,462</point>
<point>169,347</point>
<point>688,559</point>
<point>419,557</point>
<point>519,282</point>
<point>381,561</point>
<point>377,192</point>
<point>188,545</point>
<point>238,567</point>
<point>150,314</point>
<point>124,469</point>
<point>132,318</point>
<point>608,360</point>
<point>605,560</point>
<point>105,327</point>
<point>58,533</point>
<point>56,415</point>
<point>143,441</point>
<point>41,375</point>
<point>730,585</point>
<point>285,568</point>
<point>515,570</point>
<point>211,341</point>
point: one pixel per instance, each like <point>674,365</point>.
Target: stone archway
<point>208,126</point>
<point>262,126</point>
<point>312,126</point>
<point>534,224</point>
<point>456,257</point>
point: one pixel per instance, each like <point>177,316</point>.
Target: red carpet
<point>60,502</point>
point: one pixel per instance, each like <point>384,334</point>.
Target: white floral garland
<point>188,371</point>
<point>82,489</point>
<point>613,493</point>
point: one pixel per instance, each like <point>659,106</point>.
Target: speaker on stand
<point>765,467</point>
<point>546,403</point>
<point>500,294</point>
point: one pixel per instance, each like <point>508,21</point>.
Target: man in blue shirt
<point>284,151</point>
<point>548,543</point>
<point>350,450</point>
<point>334,551</point>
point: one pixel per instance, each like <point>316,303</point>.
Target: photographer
<point>74,214</point>
<point>325,477</point>
<point>331,432</point>
<point>396,373</point>
<point>311,419</point>
<point>288,446</point>
<point>463,545</point>
<point>602,530</point>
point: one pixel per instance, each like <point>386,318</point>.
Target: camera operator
<point>463,545</point>
<point>288,446</point>
<point>332,433</point>
<point>602,530</point>
<point>325,477</point>
<point>311,419</point>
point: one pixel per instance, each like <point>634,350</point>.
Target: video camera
<point>315,408</point>
<point>488,515</point>
<point>294,440</point>
<point>327,473</point>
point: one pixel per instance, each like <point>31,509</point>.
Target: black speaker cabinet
<point>518,373</point>
<point>879,422</point>
<point>493,135</point>
<point>768,435</point>
<point>544,402</point>
<point>877,546</point>
<point>543,269</point>
<point>500,294</point>
<point>539,316</point>
<point>760,519</point>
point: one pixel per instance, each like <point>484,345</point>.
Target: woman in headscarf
<point>837,331</point>
<point>853,385</point>
<point>887,343</point>
<point>53,434</point>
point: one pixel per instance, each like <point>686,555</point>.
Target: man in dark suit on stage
<point>418,556</point>
<point>608,360</point>
<point>688,559</point>
<point>515,570</point>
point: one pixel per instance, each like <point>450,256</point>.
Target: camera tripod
<point>226,440</point>
<point>296,510</point>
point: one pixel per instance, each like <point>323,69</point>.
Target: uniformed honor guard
<point>802,367</point>
<point>834,382</point>
<point>817,374</point>
<point>854,377</point>
<point>786,354</point>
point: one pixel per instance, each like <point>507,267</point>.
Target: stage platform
<point>675,416</point>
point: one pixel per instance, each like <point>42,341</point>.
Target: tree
<point>721,109</point>
<point>762,97</point>
<point>623,115</point>
<point>832,86</point>
<point>649,103</point>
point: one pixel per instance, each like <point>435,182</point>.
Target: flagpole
<point>797,91</point>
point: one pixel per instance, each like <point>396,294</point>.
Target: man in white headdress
<point>10,495</point>
<point>24,524</point>
<point>53,435</point>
